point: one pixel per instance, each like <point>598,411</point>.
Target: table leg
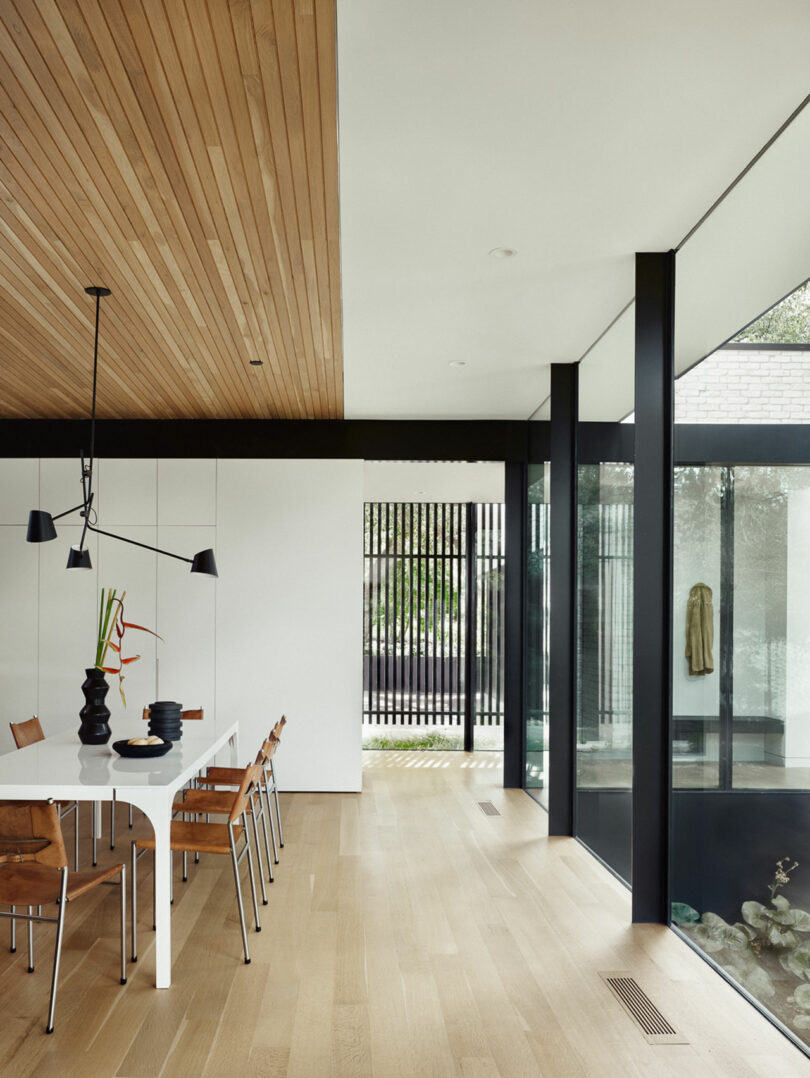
<point>161,823</point>
<point>158,812</point>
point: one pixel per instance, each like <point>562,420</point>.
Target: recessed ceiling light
<point>457,363</point>
<point>503,252</point>
<point>256,362</point>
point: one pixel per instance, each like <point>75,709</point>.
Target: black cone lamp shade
<point>40,523</point>
<point>40,527</point>
<point>204,563</point>
<point>79,559</point>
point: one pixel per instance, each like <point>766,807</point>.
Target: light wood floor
<point>408,934</point>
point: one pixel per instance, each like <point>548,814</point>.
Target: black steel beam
<point>652,589</point>
<point>514,644</point>
<point>563,601</point>
<point>364,439</point>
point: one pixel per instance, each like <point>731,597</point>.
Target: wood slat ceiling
<point>184,154</point>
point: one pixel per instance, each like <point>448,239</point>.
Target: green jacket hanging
<point>700,630</point>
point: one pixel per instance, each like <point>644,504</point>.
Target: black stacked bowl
<point>165,720</point>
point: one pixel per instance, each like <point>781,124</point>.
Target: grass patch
<point>413,741</point>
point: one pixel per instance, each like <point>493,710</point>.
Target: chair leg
<point>13,945</point>
<point>278,809</point>
<point>76,836</point>
<point>30,941</point>
<point>123,924</point>
<point>154,890</point>
<point>112,822</point>
<point>272,825</point>
<point>134,915</point>
<point>130,815</point>
<point>94,809</point>
<point>266,838</point>
<point>60,927</point>
<point>251,874</point>
<point>239,903</point>
<point>185,866</point>
<point>259,856</point>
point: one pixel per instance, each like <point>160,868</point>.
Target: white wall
<point>280,631</point>
<point>433,481</point>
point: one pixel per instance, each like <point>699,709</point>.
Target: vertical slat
<point>462,606</point>
<point>378,580</point>
<point>451,657</point>
<point>470,627</point>
<point>442,609</point>
<point>399,623</point>
<point>387,630</point>
<point>490,604</point>
<point>496,718</point>
<point>419,538</point>
<point>435,511</point>
<point>410,614</point>
<point>366,614</point>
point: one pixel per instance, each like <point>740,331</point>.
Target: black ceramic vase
<point>166,720</point>
<point>95,729</point>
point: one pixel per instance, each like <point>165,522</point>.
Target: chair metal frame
<point>244,793</point>
<point>62,902</point>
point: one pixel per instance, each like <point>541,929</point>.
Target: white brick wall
<point>732,386</point>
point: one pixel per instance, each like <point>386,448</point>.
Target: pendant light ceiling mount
<point>40,523</point>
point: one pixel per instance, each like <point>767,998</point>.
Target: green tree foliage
<point>786,323</point>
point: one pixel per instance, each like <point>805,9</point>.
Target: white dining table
<point>60,767</point>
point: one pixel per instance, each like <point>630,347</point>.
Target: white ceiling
<point>577,133</point>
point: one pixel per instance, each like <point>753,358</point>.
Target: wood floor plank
<point>348,980</point>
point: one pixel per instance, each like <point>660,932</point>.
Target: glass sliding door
<point>537,610</point>
<point>741,802</point>
<point>696,580</point>
<point>604,765</point>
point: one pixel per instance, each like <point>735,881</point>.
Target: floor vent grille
<point>654,1026</point>
<point>488,808</point>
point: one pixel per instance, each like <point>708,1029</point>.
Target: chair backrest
<point>186,716</point>
<point>250,779</point>
<point>269,747</point>
<point>30,831</point>
<point>26,733</point>
<point>278,728</point>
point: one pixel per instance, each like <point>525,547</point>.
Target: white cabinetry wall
<point>280,631</point>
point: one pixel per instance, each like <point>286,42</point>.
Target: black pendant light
<point>40,523</point>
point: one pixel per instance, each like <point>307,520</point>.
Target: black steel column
<point>563,600</point>
<point>514,728</point>
<point>652,588</point>
<point>470,633</point>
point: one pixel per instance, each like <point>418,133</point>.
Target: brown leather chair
<point>202,800</point>
<point>219,838</point>
<point>229,776</point>
<point>34,873</point>
<point>28,733</point>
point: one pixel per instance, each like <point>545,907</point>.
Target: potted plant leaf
<point>112,627</point>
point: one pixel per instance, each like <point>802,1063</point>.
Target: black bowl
<point>123,748</point>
